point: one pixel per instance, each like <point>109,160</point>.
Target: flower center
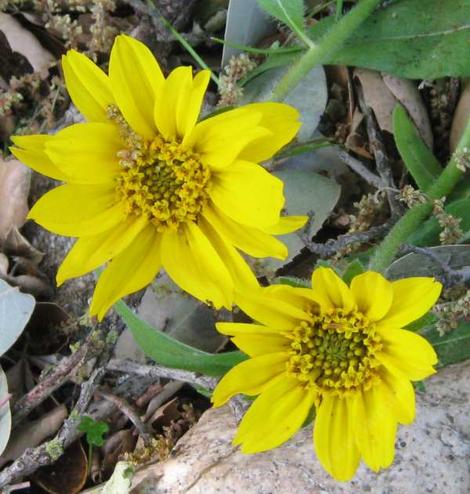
<point>161,180</point>
<point>335,352</point>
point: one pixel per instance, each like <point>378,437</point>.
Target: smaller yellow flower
<point>339,349</point>
<point>148,186</point>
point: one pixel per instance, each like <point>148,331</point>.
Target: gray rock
<point>432,455</point>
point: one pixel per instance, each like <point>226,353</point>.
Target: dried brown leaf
<point>14,189</point>
<point>34,433</point>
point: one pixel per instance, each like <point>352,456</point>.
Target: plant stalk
<point>414,217</point>
<point>330,43</point>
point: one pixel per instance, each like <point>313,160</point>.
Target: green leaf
<point>427,320</point>
<point>169,352</point>
<point>94,430</point>
<point>293,281</point>
<point>418,158</point>
<point>453,347</point>
<point>428,233</point>
<point>15,310</point>
<point>409,38</point>
<point>353,269</point>
<point>290,12</point>
<point>456,257</point>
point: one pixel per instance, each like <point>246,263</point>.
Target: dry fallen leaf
<point>383,92</point>
<point>67,475</point>
<point>33,433</point>
<point>14,189</point>
<point>23,41</point>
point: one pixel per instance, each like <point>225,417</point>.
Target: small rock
<point>432,455</point>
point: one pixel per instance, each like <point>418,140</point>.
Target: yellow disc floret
<point>334,352</point>
<point>160,179</point>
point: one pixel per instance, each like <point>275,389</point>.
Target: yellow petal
<point>189,112</point>
<point>244,328</point>
<point>241,274</point>
<point>374,427</point>
<point>178,109</point>
<point>192,262</point>
<point>271,311</point>
<point>330,290</point>
<point>260,344</point>
<point>88,86</point>
<point>286,224</point>
<point>412,298</point>
<point>78,210</point>
<point>136,80</point>
<point>248,194</point>
<point>134,268</point>
<point>281,120</point>
<point>31,152</point>
<point>249,377</point>
<point>333,437</point>
<point>275,416</point>
<point>373,294</point>
<point>176,91</point>
<point>220,139</point>
<point>403,396</point>
<point>250,240</point>
<point>298,297</point>
<point>90,252</point>
<point>86,153</point>
<point>407,354</point>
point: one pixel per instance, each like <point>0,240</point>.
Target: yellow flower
<point>148,186</point>
<point>339,349</point>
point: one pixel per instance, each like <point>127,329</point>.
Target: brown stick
<point>58,376</point>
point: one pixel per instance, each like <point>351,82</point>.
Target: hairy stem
<point>414,217</point>
<point>330,43</point>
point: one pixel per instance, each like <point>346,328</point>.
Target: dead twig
<point>130,412</point>
<point>49,452</point>
<point>67,367</point>
<point>382,160</point>
<point>158,371</point>
<point>358,167</point>
<point>450,277</point>
<point>333,246</point>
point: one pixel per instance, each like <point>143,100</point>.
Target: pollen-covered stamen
<point>161,180</point>
<point>335,352</point>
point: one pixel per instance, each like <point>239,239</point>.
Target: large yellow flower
<point>339,349</point>
<point>148,186</point>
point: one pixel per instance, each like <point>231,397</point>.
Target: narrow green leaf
<point>418,158</point>
<point>169,352</point>
<point>293,281</point>
<point>289,12</point>
<point>353,269</point>
<point>259,51</point>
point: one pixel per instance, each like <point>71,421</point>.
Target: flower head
<point>148,186</point>
<point>339,349</point>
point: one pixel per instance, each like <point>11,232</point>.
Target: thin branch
<point>379,150</point>
<point>358,167</point>
<point>333,246</point>
<point>49,452</point>
<point>450,277</point>
<point>130,412</point>
<point>158,371</point>
<point>61,373</point>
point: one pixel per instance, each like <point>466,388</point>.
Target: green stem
<point>330,43</point>
<point>414,217</point>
